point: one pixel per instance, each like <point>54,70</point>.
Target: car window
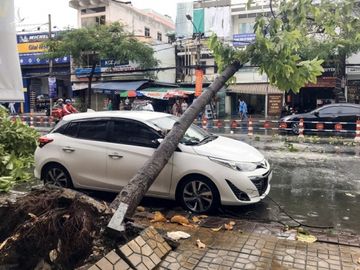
<point>133,133</point>
<point>330,110</point>
<point>71,129</point>
<point>349,110</point>
<point>93,130</point>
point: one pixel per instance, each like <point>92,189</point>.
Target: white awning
<point>10,73</point>
<point>254,88</point>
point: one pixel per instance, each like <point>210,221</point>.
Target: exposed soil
<point>59,227</point>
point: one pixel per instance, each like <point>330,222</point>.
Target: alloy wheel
<point>295,128</point>
<point>57,177</point>
<point>198,196</point>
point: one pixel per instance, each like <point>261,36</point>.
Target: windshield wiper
<point>208,138</point>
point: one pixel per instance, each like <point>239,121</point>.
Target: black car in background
<point>328,115</point>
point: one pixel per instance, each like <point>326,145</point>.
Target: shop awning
<point>79,86</point>
<point>254,88</point>
<point>119,86</point>
<point>166,92</point>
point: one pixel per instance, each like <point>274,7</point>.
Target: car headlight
<point>239,166</point>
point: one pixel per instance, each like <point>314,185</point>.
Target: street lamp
<point>198,36</point>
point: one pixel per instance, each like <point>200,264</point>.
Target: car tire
<point>198,195</point>
<point>57,175</point>
<point>295,128</point>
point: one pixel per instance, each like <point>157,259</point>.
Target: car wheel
<point>199,195</point>
<point>295,128</point>
<point>57,175</point>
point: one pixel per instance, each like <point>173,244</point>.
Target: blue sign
<point>36,59</point>
<point>243,39</point>
<point>52,87</point>
<point>113,63</point>
<point>85,72</point>
<point>35,37</point>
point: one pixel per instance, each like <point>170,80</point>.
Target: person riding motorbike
<point>68,108</point>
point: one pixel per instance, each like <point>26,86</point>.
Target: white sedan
<point>104,150</point>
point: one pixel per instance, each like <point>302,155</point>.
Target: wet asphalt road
<point>320,189</point>
<point>317,189</point>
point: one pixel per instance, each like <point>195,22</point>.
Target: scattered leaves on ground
<point>181,220</point>
<point>229,226</point>
<point>217,229</point>
<point>158,217</point>
<point>200,244</point>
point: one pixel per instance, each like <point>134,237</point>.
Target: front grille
<point>261,184</point>
<point>242,196</point>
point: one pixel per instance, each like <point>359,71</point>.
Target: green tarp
<point>198,20</point>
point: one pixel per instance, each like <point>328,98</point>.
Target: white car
<point>104,150</point>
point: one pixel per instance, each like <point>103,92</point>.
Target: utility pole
<point>50,67</point>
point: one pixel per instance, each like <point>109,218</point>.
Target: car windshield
<point>193,136</point>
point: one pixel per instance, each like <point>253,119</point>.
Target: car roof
<point>340,105</point>
<point>136,115</point>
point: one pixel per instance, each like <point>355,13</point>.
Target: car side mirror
<point>157,141</point>
<point>316,114</point>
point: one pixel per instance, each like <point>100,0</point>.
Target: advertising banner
<point>199,74</point>
<point>52,87</point>
<point>10,74</point>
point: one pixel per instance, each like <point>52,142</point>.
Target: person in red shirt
<point>68,108</point>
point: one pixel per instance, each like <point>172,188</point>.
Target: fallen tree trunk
<point>131,195</point>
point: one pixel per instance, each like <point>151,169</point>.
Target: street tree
<point>282,50</point>
<point>89,45</point>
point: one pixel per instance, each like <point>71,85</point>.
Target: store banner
<point>199,74</point>
<point>10,74</point>
<point>32,47</point>
<point>52,87</point>
<point>37,59</point>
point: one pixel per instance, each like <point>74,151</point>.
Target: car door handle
<point>68,149</point>
<point>115,156</point>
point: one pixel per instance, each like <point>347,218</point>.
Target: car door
<point>132,144</point>
<point>83,152</point>
<point>329,115</point>
<point>349,114</point>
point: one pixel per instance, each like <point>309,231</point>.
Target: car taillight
<point>44,141</point>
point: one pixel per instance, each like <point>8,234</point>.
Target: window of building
<point>92,10</point>
<point>147,32</point>
<point>159,36</point>
<point>246,28</point>
<point>93,21</point>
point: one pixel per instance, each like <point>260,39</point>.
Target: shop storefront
<point>35,73</point>
<point>256,96</point>
<point>353,84</point>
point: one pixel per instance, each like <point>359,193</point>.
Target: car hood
<point>229,149</point>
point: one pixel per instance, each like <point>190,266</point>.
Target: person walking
<point>12,108</point>
<point>243,110</point>
<point>176,108</point>
<point>184,106</point>
<point>109,105</point>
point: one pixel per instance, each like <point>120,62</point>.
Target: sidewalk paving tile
<point>155,241</point>
<point>111,261</point>
<point>140,254</point>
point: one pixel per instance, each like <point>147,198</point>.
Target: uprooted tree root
<point>59,226</point>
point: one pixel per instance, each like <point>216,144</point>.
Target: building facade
<point>36,70</point>
<point>146,25</point>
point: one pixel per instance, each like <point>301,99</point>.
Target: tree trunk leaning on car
<point>287,48</point>
<point>134,191</point>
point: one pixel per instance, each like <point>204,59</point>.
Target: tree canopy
<point>105,41</point>
<point>292,43</point>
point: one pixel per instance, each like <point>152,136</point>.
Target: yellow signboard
<point>31,47</point>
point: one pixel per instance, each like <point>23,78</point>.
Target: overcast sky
<point>36,11</point>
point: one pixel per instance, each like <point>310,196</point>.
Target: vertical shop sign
<point>199,74</point>
<point>52,87</point>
